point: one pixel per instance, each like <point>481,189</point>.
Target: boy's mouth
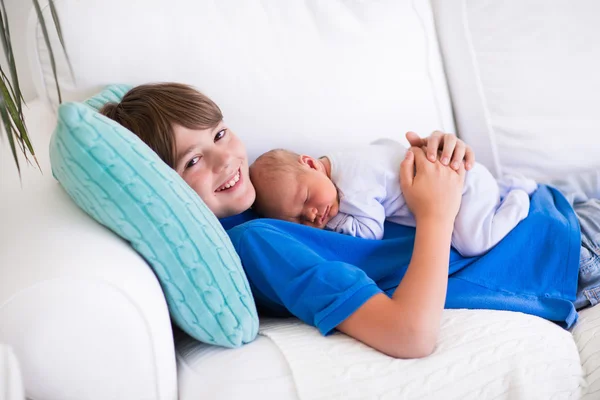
<point>231,182</point>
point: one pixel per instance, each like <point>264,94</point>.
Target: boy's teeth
<point>231,183</point>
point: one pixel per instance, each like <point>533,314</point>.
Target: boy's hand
<point>432,191</point>
<point>453,150</point>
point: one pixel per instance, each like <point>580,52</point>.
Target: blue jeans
<point>583,192</point>
<point>588,287</point>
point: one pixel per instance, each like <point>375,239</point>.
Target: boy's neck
<point>327,165</point>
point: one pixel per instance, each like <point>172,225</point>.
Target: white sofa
<point>518,80</point>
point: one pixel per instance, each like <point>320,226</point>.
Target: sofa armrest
<point>82,310</point>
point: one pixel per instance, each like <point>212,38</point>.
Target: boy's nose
<point>221,159</point>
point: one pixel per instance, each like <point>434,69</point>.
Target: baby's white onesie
<point>367,179</point>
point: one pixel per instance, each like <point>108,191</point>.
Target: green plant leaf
<point>8,51</point>
<point>60,35</point>
<point>9,126</point>
<point>40,16</point>
<point>11,98</point>
<point>9,131</point>
<point>11,107</point>
<point>5,78</point>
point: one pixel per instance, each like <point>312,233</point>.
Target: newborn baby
<point>355,191</point>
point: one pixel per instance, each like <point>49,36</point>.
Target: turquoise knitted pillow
<point>112,93</point>
<point>119,181</point>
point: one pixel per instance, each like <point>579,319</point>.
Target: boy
<point>355,191</point>
<point>390,293</point>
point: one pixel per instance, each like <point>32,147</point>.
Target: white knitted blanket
<point>480,354</point>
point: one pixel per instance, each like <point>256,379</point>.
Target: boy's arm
<point>407,325</point>
<point>337,294</point>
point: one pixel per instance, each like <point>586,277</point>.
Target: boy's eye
<point>220,135</point>
<point>192,162</point>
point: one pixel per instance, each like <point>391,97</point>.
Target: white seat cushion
<point>11,385</point>
<point>255,371</point>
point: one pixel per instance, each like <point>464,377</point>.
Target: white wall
<point>18,16</point>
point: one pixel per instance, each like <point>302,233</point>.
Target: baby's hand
<point>453,150</point>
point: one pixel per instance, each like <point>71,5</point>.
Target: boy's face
<point>308,198</point>
<point>215,164</point>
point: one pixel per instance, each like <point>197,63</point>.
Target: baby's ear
<point>308,161</point>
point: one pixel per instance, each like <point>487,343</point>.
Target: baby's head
<point>294,188</point>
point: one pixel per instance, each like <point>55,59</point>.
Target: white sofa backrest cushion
<point>307,75</point>
<point>524,77</point>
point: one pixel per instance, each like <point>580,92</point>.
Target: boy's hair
<point>268,169</point>
<point>152,110</point>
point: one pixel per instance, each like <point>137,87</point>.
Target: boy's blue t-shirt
<point>322,277</point>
